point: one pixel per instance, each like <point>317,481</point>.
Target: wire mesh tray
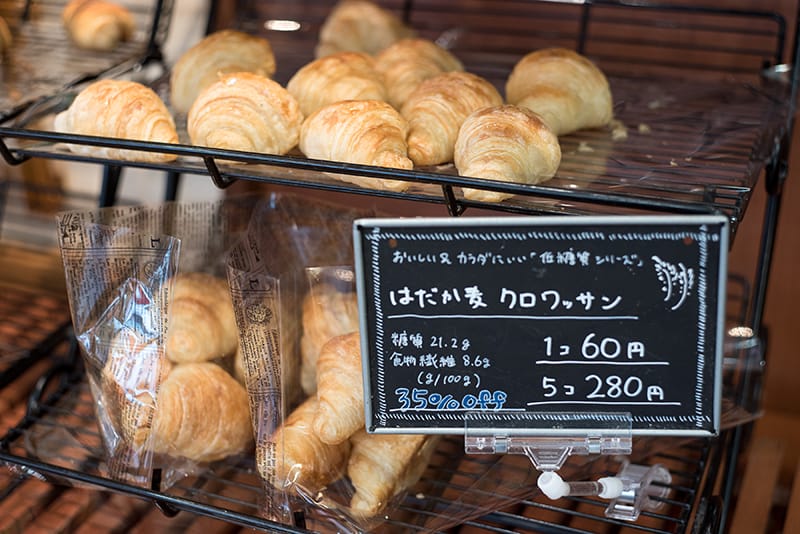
<point>677,147</point>
<point>42,60</point>
<point>684,143</point>
<point>59,441</point>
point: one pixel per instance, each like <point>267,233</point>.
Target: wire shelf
<point>43,61</point>
<point>58,439</point>
<point>680,144</point>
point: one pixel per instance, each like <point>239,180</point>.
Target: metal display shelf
<point>701,122</point>
<point>679,144</point>
<point>42,61</point>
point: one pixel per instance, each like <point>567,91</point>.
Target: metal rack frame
<point>771,160</point>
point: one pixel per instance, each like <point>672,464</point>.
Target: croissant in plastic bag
<point>436,109</point>
<point>119,109</point>
<point>368,132</point>
<point>301,457</point>
<point>409,62</point>
<point>221,52</point>
<point>565,88</point>
<point>361,26</point>
<point>508,144</point>
<point>337,77</point>
<point>327,313</point>
<point>245,111</point>
<point>202,325</point>
<point>97,24</point>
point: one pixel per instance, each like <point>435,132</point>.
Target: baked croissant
<point>327,313</point>
<point>202,325</point>
<point>408,62</point>
<point>5,36</point>
<point>203,414</point>
<point>368,132</point>
<point>360,26</point>
<point>340,389</point>
<point>341,76</point>
<point>300,456</point>
<point>245,111</point>
<point>566,89</point>
<point>508,144</point>
<point>119,109</point>
<point>221,52</point>
<point>383,465</point>
<point>97,24</point>
<point>436,109</point>
<point>132,374</point>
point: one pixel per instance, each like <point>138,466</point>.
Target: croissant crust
<point>436,109</point>
<point>408,62</point>
<point>222,52</point>
<point>97,24</point>
<point>565,88</point>
<point>367,132</point>
<point>508,144</point>
<point>337,77</point>
<point>119,109</point>
<point>245,111</point>
<point>360,26</point>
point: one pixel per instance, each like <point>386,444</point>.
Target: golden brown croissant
<point>327,313</point>
<point>301,457</point>
<point>383,465</point>
<point>97,24</point>
<point>436,109</point>
<point>368,132</point>
<point>5,36</point>
<point>202,414</point>
<point>119,109</point>
<point>408,62</point>
<point>340,389</point>
<point>221,52</point>
<point>360,26</point>
<point>341,76</point>
<point>508,144</point>
<point>131,376</point>
<point>245,111</point>
<point>202,324</point>
<point>565,88</point>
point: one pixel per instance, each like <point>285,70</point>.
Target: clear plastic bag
<point>153,316</point>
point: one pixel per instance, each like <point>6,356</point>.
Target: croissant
<point>508,144</point>
<point>97,24</point>
<point>383,465</point>
<point>566,89</point>
<point>340,389</point>
<point>221,52</point>
<point>203,414</point>
<point>301,457</point>
<point>436,109</point>
<point>202,325</point>
<point>341,76</point>
<point>119,109</point>
<point>368,132</point>
<point>408,62</point>
<point>360,26</point>
<point>5,36</point>
<point>326,313</point>
<point>245,111</point>
<point>131,376</point>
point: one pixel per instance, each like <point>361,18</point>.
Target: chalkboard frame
<point>365,266</point>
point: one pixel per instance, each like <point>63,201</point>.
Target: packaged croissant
<point>153,316</point>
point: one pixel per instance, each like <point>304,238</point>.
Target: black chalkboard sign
<point>618,314</point>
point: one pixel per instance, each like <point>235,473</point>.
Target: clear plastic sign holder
<point>548,439</point>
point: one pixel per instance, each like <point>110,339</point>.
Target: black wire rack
<point>700,121</point>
